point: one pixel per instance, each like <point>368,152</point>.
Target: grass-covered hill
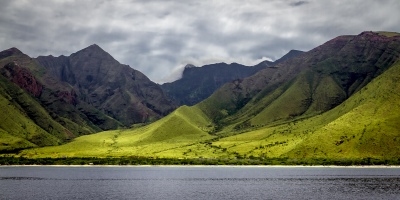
<point>337,101</point>
<point>185,127</point>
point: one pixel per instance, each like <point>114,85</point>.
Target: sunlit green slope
<point>184,127</point>
<point>339,100</point>
<point>365,125</point>
<point>369,126</point>
<point>17,128</point>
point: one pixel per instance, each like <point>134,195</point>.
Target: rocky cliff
<point>119,91</point>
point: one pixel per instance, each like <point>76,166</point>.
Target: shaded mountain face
<point>50,100</point>
<point>306,85</point>
<point>117,90</point>
<point>198,83</point>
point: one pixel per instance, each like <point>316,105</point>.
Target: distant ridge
<point>198,83</point>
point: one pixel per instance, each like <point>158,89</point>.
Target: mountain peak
<point>14,50</point>
<point>189,66</point>
<point>93,50</point>
<point>295,51</point>
<point>9,52</point>
<point>292,53</point>
<point>94,47</point>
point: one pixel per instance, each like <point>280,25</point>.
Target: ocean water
<point>172,182</point>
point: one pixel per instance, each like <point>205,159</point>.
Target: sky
<point>159,37</point>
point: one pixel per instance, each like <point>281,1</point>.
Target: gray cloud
<point>160,37</point>
<point>298,3</point>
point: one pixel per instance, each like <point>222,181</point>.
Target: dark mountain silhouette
<point>115,89</point>
<point>198,83</point>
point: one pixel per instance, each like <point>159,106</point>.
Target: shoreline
<point>139,161</point>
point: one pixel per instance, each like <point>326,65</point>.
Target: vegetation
<point>345,132</point>
<point>182,128</point>
<point>329,111</point>
<point>11,160</point>
<point>25,123</point>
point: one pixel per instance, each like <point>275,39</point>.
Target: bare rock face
<point>117,90</point>
<point>23,78</point>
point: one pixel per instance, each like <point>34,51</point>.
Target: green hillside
<point>368,127</point>
<point>307,85</point>
<point>20,117</point>
<point>337,101</point>
<point>167,137</point>
<point>28,118</point>
<point>365,125</point>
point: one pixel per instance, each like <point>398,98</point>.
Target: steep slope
<point>24,122</point>
<point>27,119</point>
<point>198,83</point>
<point>291,54</point>
<point>100,81</point>
<point>71,96</point>
<point>307,85</point>
<point>57,97</point>
<point>365,125</point>
<point>368,125</point>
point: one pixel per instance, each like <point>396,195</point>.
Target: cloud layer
<point>159,37</point>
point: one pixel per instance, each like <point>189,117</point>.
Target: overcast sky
<point>160,37</point>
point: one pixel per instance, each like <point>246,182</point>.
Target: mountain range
<point>55,99</point>
<point>198,83</point>
<point>338,100</point>
<point>89,91</point>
